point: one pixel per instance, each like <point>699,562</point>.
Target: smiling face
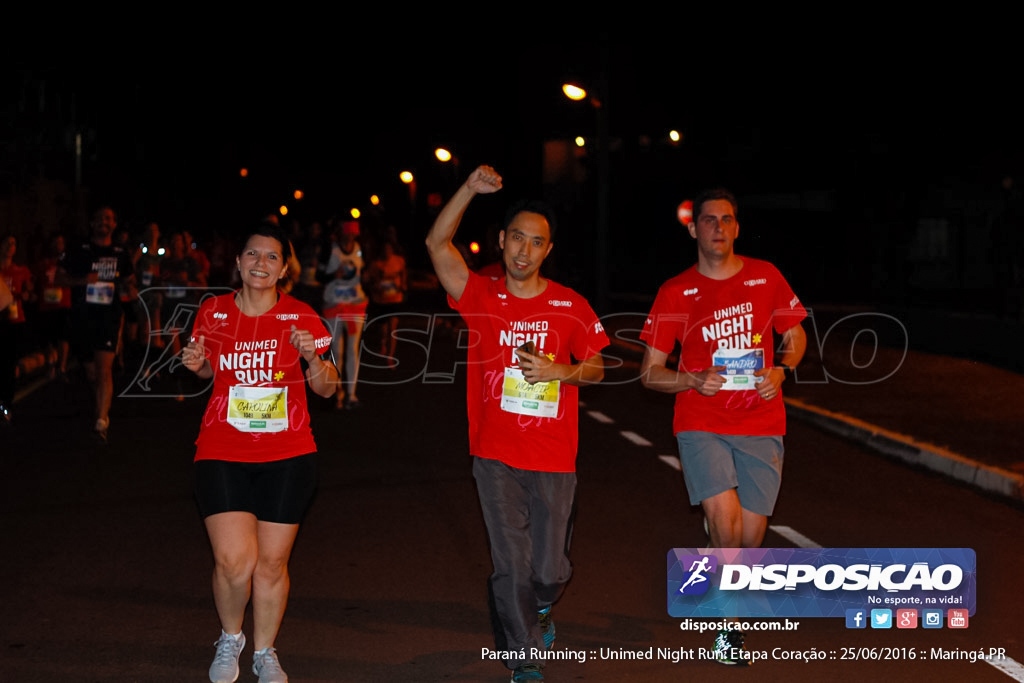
<point>525,243</point>
<point>261,263</point>
<point>104,223</point>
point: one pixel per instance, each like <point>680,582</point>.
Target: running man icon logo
<point>695,582</point>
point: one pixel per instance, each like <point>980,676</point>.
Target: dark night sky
<point>875,120</point>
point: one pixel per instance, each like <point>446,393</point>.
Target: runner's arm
<point>449,265</point>
<point>654,375</point>
<point>537,368</point>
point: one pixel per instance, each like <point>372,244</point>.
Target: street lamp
<point>578,93</point>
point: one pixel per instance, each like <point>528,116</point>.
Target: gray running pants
<point>529,519</point>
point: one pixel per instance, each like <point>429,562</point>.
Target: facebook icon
<point>856,618</point>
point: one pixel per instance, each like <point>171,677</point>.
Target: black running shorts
<point>278,491</point>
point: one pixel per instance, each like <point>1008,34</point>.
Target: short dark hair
<point>272,230</point>
<point>710,196</point>
<point>532,206</point>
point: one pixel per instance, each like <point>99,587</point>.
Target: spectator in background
<point>182,279</point>
<point>147,274</point>
<point>18,282</point>
<point>345,307</point>
<point>197,255</point>
<point>54,306</point>
<point>311,255</point>
<point>388,283</point>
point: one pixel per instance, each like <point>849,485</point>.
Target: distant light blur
<point>674,135</point>
<point>283,210</point>
<point>573,92</point>
<point>442,154</point>
<point>580,142</point>
<point>406,177</point>
<point>244,172</point>
<point>355,213</point>
<point>474,247</point>
<point>298,194</point>
<point>374,199</point>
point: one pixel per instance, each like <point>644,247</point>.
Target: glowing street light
<point>574,92</point>
<point>580,142</point>
<point>374,199</point>
<point>674,136</point>
<point>283,210</point>
<point>355,213</point>
<point>297,194</point>
<point>406,177</point>
<point>442,154</point>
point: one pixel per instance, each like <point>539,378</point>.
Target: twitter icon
<point>881,618</point>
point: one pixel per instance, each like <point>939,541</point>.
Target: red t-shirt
<point>506,422</point>
<point>51,296</point>
<point>704,315</point>
<point>258,382</point>
<point>17,278</point>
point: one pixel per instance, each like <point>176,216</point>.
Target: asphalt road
<point>107,570</point>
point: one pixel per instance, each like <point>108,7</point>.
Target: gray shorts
<point>713,463</point>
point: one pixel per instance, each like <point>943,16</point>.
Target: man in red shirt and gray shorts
<point>729,416</point>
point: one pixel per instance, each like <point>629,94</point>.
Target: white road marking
<point>1010,667</point>
<point>671,460</point>
<point>794,536</point>
<point>636,438</point>
<point>600,417</point>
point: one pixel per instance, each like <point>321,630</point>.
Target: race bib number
<point>520,397</point>
<point>740,366</point>
<point>99,293</point>
<point>258,409</point>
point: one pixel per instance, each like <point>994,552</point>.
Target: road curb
<point>907,449</point>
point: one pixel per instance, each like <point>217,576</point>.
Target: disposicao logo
<point>820,582</point>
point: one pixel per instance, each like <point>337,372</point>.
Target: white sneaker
<point>266,666</point>
<point>225,663</point>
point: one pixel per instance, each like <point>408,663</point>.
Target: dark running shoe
<point>547,626</point>
<point>730,649</point>
<point>527,672</point>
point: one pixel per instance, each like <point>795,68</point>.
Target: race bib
<point>521,397</point>
<point>740,366</point>
<point>258,409</point>
<point>99,293</point>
